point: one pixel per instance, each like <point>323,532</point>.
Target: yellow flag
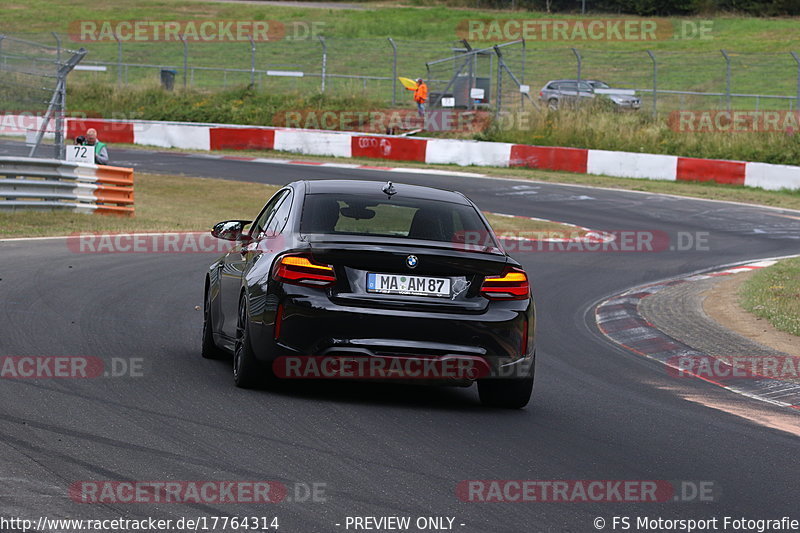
<point>408,83</point>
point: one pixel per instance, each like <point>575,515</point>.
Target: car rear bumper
<point>311,325</point>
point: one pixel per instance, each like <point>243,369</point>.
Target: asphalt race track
<point>384,450</point>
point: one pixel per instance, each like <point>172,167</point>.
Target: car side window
<point>568,86</point>
<point>276,224</point>
<point>263,218</point>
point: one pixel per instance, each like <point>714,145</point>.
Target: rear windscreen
<point>413,218</point>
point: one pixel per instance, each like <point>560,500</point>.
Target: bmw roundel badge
<point>412,261</point>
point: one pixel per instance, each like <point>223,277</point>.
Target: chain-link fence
<point>320,64</point>
<point>664,80</point>
<point>33,85</point>
<point>487,78</point>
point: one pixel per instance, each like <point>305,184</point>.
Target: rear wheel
<point>210,350</point>
<point>552,104</point>
<point>505,393</point>
<point>247,371</point>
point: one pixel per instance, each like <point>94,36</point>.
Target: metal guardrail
<point>50,184</point>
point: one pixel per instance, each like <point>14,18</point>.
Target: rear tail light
<point>302,270</point>
<point>511,285</point>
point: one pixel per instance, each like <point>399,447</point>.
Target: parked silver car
<point>556,93</point>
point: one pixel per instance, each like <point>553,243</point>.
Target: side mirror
<point>230,230</point>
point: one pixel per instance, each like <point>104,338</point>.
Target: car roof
<point>573,79</point>
<point>375,187</point>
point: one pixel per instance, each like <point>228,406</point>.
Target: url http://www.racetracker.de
<point>201,523</point>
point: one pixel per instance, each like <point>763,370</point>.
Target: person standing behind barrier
<point>100,151</point>
<point>420,96</point>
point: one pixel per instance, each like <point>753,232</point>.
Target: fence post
<point>394,71</point>
<point>57,105</point>
<point>252,62</point>
<point>324,60</point>
<point>185,59</point>
<point>727,78</point>
<point>58,46</point>
<point>119,59</point>
<point>655,84</point>
<point>61,104</point>
<point>580,63</point>
<point>499,83</point>
<point>797,60</point>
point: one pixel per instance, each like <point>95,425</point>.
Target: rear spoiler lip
<point>317,239</point>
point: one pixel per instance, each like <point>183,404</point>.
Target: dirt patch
<point>721,303</point>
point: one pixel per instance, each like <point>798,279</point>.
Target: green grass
<point>357,42</point>
<point>773,293</point>
<point>380,20</point>
<point>161,206</point>
<point>240,105</point>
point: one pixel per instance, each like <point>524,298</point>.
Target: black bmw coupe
<point>366,280</point>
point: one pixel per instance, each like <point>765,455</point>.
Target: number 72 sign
<point>80,154</point>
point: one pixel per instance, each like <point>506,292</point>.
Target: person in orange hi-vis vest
<point>420,96</point>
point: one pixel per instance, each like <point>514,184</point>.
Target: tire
<point>505,393</point>
<point>209,350</point>
<point>552,104</point>
<point>247,371</point>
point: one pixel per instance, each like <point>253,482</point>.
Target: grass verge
<point>591,126</point>
<point>773,293</point>
<point>162,204</point>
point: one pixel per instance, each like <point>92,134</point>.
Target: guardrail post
<point>394,71</point>
<point>252,62</point>
<point>185,59</point>
<point>727,79</point>
<point>797,60</point>
<point>324,60</point>
<point>655,84</point>
<point>119,59</point>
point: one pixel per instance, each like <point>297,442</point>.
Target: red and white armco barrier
<point>425,150</point>
<point>30,183</point>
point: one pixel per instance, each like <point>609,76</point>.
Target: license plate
<point>409,285</point>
